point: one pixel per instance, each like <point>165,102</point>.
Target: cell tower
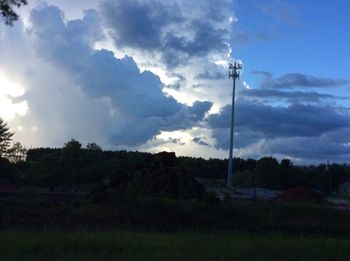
<point>234,70</point>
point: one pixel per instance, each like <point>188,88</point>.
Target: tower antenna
<point>234,71</point>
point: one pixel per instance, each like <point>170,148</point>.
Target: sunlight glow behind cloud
<point>8,91</point>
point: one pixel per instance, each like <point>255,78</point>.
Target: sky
<point>152,75</point>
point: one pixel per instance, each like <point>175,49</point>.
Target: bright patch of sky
<point>8,92</point>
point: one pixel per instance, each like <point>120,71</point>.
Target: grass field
<point>165,215</point>
<point>162,246</point>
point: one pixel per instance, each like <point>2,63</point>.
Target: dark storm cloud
<point>286,123</point>
<point>170,29</point>
<point>241,139</point>
<point>306,149</point>
<point>199,109</point>
<point>306,132</point>
<point>221,137</point>
<point>317,148</point>
<point>339,136</point>
<point>199,141</point>
<point>139,108</point>
<point>277,121</point>
<point>175,141</point>
<point>290,96</point>
<point>206,39</point>
<point>137,23</point>
<point>255,120</point>
<point>292,80</point>
<point>310,132</point>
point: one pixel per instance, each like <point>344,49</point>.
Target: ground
<point>194,245</point>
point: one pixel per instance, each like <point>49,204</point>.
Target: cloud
<point>199,141</point>
<point>59,110</point>
<point>209,75</point>
<point>242,139</point>
<point>292,80</point>
<point>270,125</point>
<point>290,96</point>
<point>175,30</point>
<point>76,91</point>
<point>137,23</point>
<point>175,141</point>
<point>309,149</point>
<point>282,121</point>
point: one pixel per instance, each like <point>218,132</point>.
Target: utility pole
<point>234,74</point>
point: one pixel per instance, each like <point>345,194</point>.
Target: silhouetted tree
<point>5,138</point>
<point>17,152</point>
<point>72,145</point>
<point>93,146</point>
<point>8,171</point>
<point>267,172</point>
<point>7,12</point>
<point>286,164</point>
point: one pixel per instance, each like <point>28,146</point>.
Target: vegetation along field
<point>160,246</point>
<point>75,203</point>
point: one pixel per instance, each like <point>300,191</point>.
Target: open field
<point>34,212</point>
<point>56,227</point>
<point>162,246</point>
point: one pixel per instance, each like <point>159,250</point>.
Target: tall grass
<point>160,246</point>
<point>162,215</point>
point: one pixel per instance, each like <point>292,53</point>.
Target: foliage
<point>117,245</point>
<point>8,171</point>
<point>17,153</point>
<point>131,174</point>
<point>93,146</point>
<point>136,174</point>
<point>72,146</point>
<point>5,138</point>
<point>7,10</point>
<point>62,211</point>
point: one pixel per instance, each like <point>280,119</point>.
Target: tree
<point>93,146</point>
<point>286,164</point>
<point>17,152</point>
<point>267,172</point>
<point>72,145</point>
<point>5,138</point>
<point>6,8</point>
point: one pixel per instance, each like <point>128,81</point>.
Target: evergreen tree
<point>5,138</point>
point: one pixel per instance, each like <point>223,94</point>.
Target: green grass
<point>160,215</point>
<point>161,246</point>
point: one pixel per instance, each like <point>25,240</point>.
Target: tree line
<point>138,173</point>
